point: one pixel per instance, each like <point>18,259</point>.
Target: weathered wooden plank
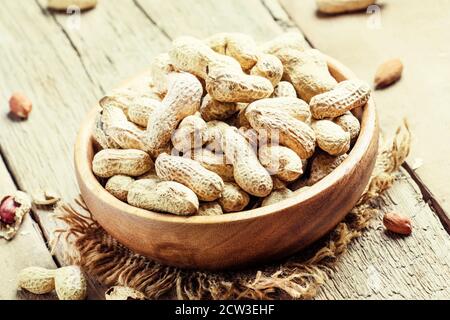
<point>69,67</point>
<point>123,44</point>
<point>27,249</point>
<point>195,23</point>
<point>418,35</point>
<point>380,265</point>
<point>39,60</point>
<point>203,18</point>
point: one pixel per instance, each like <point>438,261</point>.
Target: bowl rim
<point>84,170</point>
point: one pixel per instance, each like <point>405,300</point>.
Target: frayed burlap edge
<point>299,277</point>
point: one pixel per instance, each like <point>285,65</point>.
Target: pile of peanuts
<point>226,125</point>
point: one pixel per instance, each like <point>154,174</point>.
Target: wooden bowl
<point>237,239</point>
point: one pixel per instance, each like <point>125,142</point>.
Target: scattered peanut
<point>397,223</point>
<point>347,95</point>
<point>206,184</point>
<point>20,106</point>
<point>331,138</point>
<point>123,293</point>
<point>233,198</point>
<point>37,280</point>
<point>12,211</point>
<point>342,6</point>
<point>62,5</point>
<point>70,283</point>
<point>388,73</point>
<point>129,162</point>
<point>46,197</point>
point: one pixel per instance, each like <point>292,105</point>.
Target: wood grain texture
<point>381,265</point>
<point>25,250</point>
<point>416,34</point>
<point>45,60</point>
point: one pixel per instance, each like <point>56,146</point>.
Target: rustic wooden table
<point>64,64</point>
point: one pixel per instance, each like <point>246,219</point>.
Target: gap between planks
<point>283,18</point>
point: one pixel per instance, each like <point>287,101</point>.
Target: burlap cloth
<point>297,277</point>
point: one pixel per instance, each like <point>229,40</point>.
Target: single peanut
<point>331,138</point>
<point>118,186</point>
<point>284,89</point>
<point>215,110</point>
<point>349,123</point>
<point>62,5</point>
<point>388,73</point>
<point>249,174</point>
<point>269,67</point>
<point>233,198</point>
<point>228,86</point>
<point>13,208</point>
<point>70,283</point>
<point>280,161</point>
<point>277,196</point>
<point>189,134</point>
<point>166,196</point>
<point>37,280</point>
<point>290,132</point>
<point>210,209</point>
<point>322,165</point>
<point>346,96</point>
<point>206,184</point>
<point>129,162</point>
<point>20,105</point>
<point>307,71</point>
<point>182,100</point>
<point>123,293</point>
<point>342,6</point>
<point>397,223</point>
